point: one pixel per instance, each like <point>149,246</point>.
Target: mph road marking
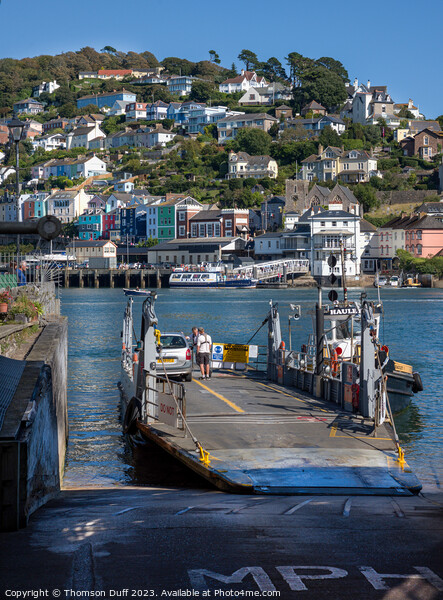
<point>296,576</point>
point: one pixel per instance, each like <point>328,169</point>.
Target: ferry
<point>210,276</point>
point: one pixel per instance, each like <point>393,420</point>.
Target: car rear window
<point>172,341</point>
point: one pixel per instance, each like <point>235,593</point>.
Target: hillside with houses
<point>126,148</point>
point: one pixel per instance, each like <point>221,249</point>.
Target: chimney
<point>320,148</point>
<point>355,83</point>
<point>369,83</point>
<point>410,103</point>
<point>242,71</point>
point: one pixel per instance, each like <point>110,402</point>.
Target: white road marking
<point>377,580</point>
<point>347,507</point>
<point>297,506</point>
<point>398,511</point>
<point>180,512</point>
<point>125,510</point>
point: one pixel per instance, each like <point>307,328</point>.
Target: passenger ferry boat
<point>212,276</point>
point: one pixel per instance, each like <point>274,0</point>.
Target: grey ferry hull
<point>399,387</point>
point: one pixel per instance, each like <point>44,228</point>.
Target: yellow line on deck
<point>333,431</point>
<point>228,402</point>
<point>289,395</point>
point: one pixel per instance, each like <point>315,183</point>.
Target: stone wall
<point>34,434</point>
<point>405,196</point>
<point>43,293</point>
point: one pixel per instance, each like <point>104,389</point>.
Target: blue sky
<point>397,43</point>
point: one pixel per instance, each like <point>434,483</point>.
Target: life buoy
<point>132,414</point>
<point>334,364</point>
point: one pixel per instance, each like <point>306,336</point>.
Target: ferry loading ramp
<point>268,439</point>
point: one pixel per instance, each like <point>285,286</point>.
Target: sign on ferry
<point>236,353</point>
<point>343,310</point>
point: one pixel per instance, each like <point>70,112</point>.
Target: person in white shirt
<point>204,345</point>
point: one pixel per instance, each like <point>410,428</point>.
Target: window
<point>426,140</point>
<point>181,230</point>
<point>201,230</point>
<point>334,223</point>
<point>345,223</point>
<point>269,244</point>
<point>181,216</point>
<point>322,223</point>
<point>419,235</point>
<point>419,248</point>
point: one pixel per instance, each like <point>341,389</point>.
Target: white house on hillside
<point>242,82</point>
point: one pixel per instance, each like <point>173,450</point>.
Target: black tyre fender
<point>417,386</point>
<point>132,414</point>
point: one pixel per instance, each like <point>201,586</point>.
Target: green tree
<point>333,65</point>
<point>253,141</point>
<point>440,120</point>
<point>329,137</point>
<point>273,69</point>
<point>214,57</point>
<point>322,85</point>
<point>404,113</point>
<point>366,195</point>
<point>202,91</point>
<point>108,50</point>
<point>249,58</point>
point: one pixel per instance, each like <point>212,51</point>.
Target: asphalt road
<point>164,542</point>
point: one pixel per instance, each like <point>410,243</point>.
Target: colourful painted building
<point>424,236</point>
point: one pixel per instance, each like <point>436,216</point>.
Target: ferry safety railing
<point>169,405</point>
<point>273,268</point>
<point>259,362</point>
<point>37,269</point>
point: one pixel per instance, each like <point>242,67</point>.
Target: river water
<point>97,454</point>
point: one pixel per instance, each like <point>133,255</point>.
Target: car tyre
<point>188,377</point>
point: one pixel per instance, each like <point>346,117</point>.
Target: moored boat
<point>136,292</point>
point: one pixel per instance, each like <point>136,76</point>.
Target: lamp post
<point>16,128</point>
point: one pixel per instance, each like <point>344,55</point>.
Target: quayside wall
<point>33,423</point>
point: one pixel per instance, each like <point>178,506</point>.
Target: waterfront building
<point>369,247</point>
<point>195,251</point>
<point>228,127</point>
<point>45,87</point>
<point>315,125</point>
<point>331,163</point>
<point>68,205</point>
<point>313,107</point>
<point>226,223</point>
<point>51,141</point>
<point>241,165</point>
<point>271,210</point>
<point>102,100</point>
<point>28,107</point>
<point>242,82</point>
<point>180,85</point>
<point>266,95</point>
<point>135,110</point>
<point>90,224</point>
<point>58,123</point>
<point>82,137</point>
<point>86,250</point>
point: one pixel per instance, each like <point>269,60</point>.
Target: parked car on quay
<point>176,355</point>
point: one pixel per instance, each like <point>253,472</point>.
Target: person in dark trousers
<point>204,346</point>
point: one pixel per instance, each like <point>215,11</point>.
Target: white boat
<point>136,292</point>
<point>209,275</point>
